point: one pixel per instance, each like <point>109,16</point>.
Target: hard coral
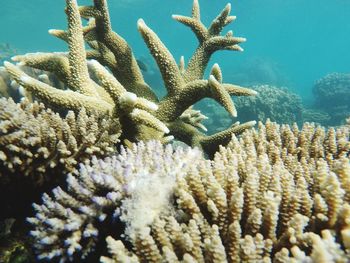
<point>38,147</point>
<point>121,90</point>
<point>276,194</point>
<point>133,187</point>
<point>34,141</point>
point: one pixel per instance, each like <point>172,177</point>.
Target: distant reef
<point>275,103</point>
<point>332,98</point>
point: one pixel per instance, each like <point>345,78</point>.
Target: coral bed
<point>277,194</point>
<point>92,135</point>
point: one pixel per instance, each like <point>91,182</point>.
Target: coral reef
<point>38,147</point>
<point>332,94</point>
<point>121,90</point>
<point>36,141</point>
<point>104,192</point>
<point>276,194</point>
<point>316,116</point>
<point>11,89</point>
<point>277,104</point>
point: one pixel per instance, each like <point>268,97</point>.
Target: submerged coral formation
<point>278,104</point>
<point>277,194</point>
<point>73,222</point>
<point>38,147</point>
<point>121,90</point>
<point>275,103</point>
<point>35,141</point>
<point>332,94</point>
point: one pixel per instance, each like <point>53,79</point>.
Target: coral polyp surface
<point>117,85</point>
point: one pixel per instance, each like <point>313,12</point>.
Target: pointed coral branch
<point>167,65</point>
<point>209,39</point>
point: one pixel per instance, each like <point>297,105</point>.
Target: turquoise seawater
<point>301,40</point>
<point>290,42</point>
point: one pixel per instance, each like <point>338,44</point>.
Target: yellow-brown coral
<point>269,196</point>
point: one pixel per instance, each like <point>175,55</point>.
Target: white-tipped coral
<point>133,187</point>
<point>260,200</point>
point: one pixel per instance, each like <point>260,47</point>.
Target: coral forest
<point>95,167</point>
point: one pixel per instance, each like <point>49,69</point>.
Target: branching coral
<point>134,185</point>
<point>36,141</point>
<point>277,194</point>
<point>122,90</point>
<point>37,147</point>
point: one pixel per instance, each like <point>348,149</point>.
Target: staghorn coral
<point>9,88</point>
<point>121,90</point>
<point>276,194</point>
<point>37,147</point>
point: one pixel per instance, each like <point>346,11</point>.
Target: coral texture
<point>36,141</point>
<point>38,147</point>
<point>276,103</point>
<point>121,90</point>
<point>276,194</point>
<point>134,187</point>
<point>332,94</point>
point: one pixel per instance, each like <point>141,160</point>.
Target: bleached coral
<point>122,91</point>
<point>133,187</point>
<point>276,194</point>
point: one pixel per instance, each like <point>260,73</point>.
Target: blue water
<point>299,41</point>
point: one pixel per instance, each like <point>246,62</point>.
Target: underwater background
<point>296,57</point>
<point>291,43</point>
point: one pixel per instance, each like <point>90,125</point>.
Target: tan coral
<point>35,142</point>
<point>299,213</point>
<point>268,196</point>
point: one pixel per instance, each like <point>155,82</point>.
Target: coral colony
<point>96,152</point>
